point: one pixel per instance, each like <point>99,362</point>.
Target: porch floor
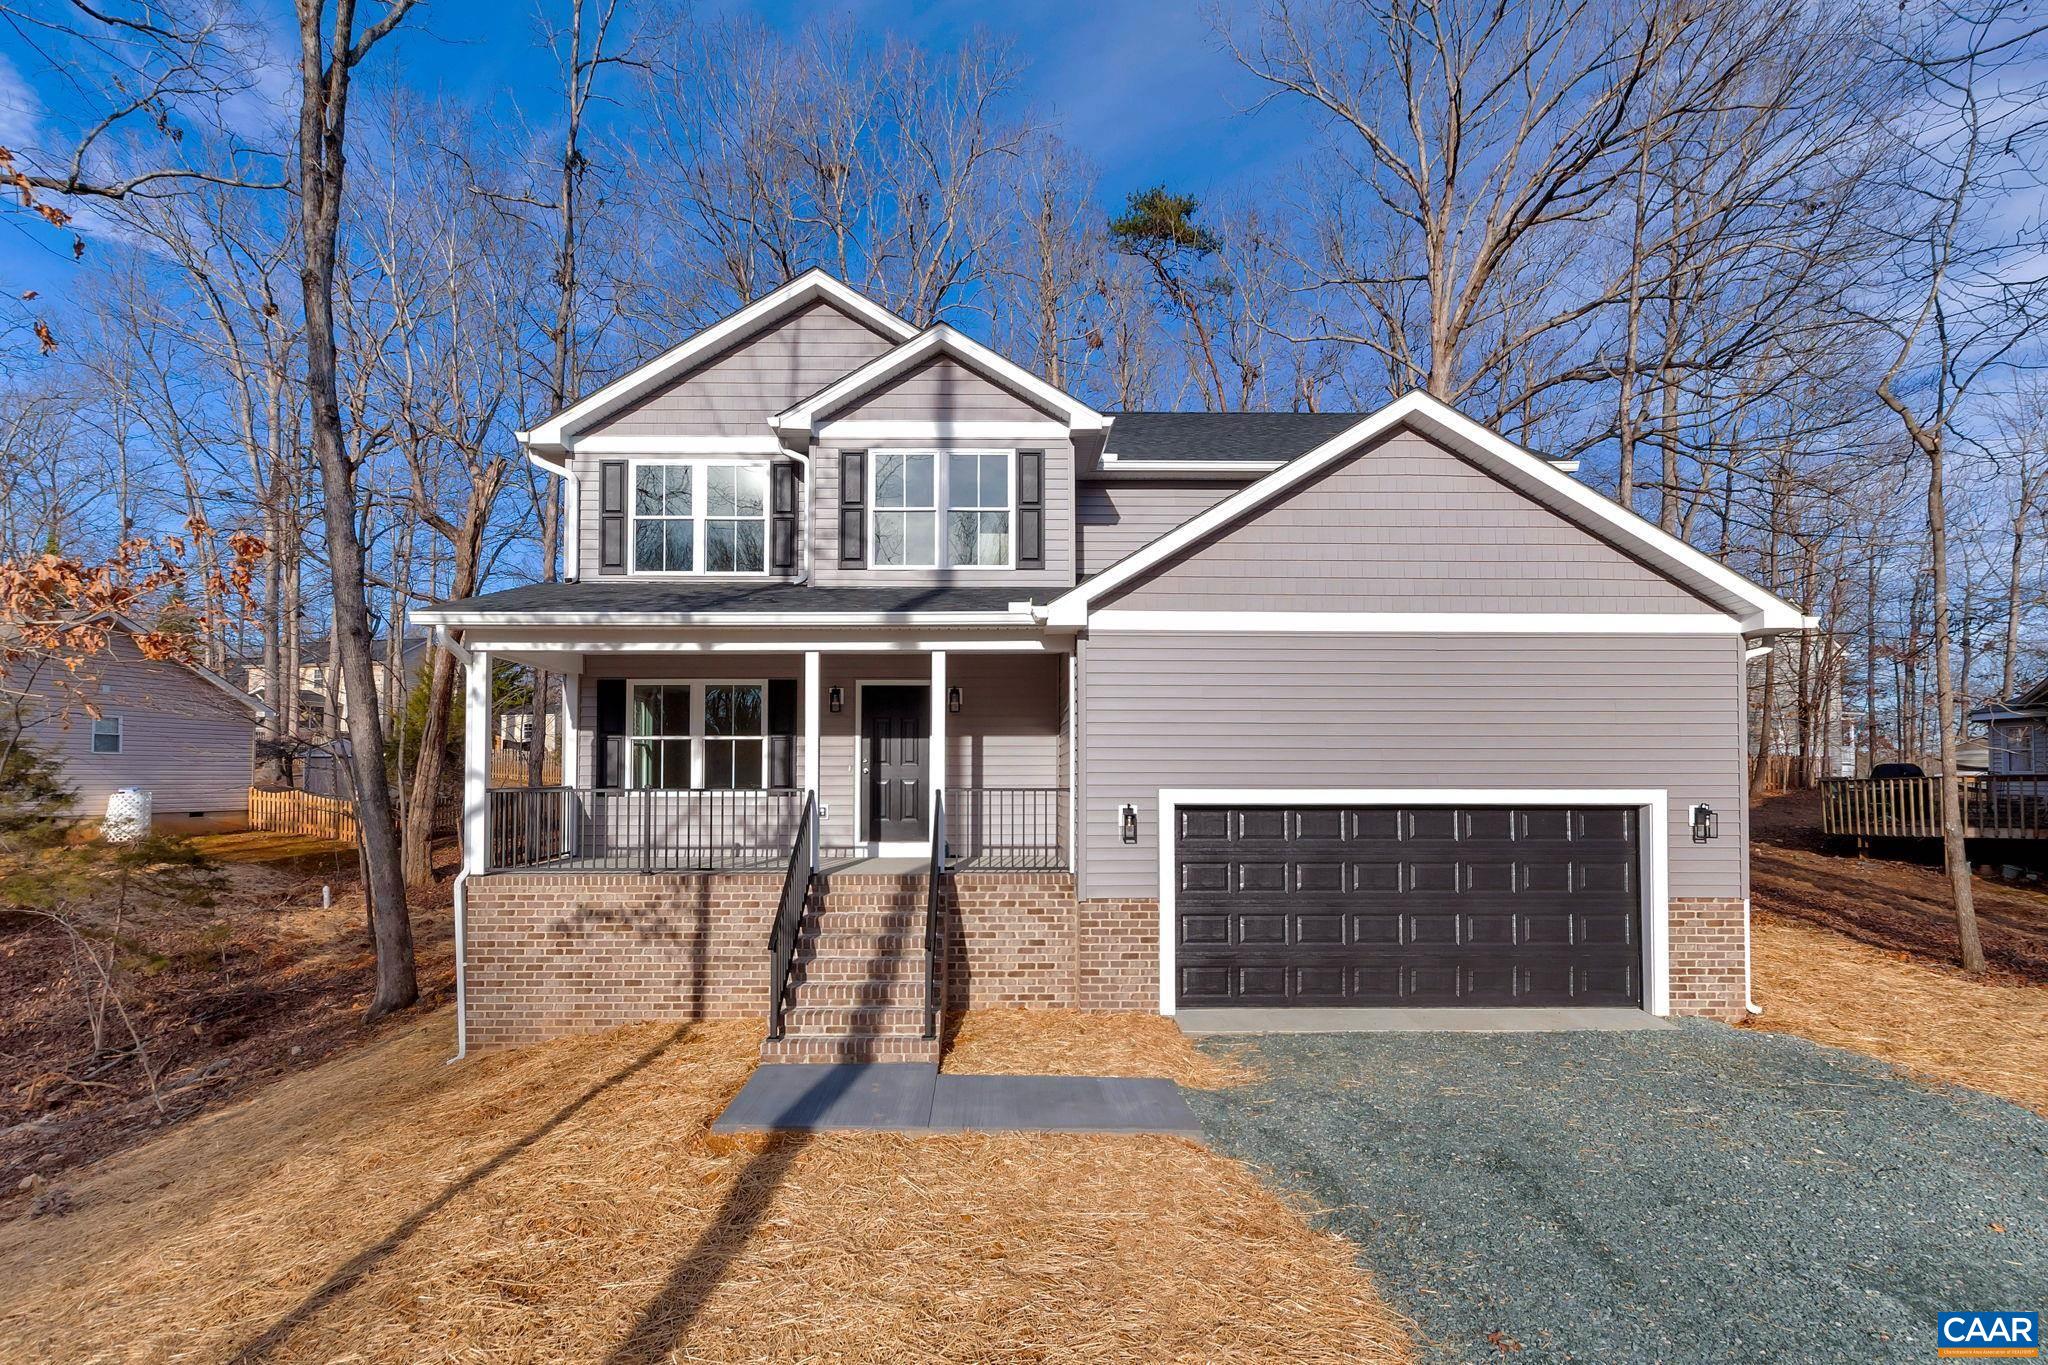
<point>913,1097</point>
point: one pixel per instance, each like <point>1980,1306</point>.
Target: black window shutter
<point>611,519</point>
<point>853,509</point>
<point>782,516</point>
<point>1030,509</point>
<point>610,755</point>
<point>781,732</point>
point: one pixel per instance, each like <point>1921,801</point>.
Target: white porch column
<point>935,757</point>
<point>572,697</point>
<point>476,759</point>
<point>811,756</point>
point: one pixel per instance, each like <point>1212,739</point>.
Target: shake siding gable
<point>940,390</point>
<point>1406,525</point>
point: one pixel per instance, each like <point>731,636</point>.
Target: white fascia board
<point>935,340</point>
<point>780,644</point>
<point>1756,608</point>
<point>455,616</point>
<point>1412,623</point>
<point>1110,461</point>
<point>831,432</point>
<point>809,287</point>
<point>676,445</point>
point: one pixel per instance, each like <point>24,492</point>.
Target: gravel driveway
<point>1702,1193</point>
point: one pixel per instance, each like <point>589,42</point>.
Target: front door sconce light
<point>1130,823</point>
<point>1705,823</point>
<point>953,700</point>
<point>836,699</point>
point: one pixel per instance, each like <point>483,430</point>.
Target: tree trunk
<point>1954,853</point>
<point>323,114</point>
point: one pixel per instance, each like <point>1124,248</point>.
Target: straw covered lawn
<point>1928,1020</point>
<point>1014,1042</point>
<point>564,1203</point>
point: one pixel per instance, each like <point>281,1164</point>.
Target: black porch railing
<point>932,899</point>
<point>1006,829</point>
<point>610,829</point>
<point>789,912</point>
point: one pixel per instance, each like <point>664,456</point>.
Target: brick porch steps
<point>857,980</point>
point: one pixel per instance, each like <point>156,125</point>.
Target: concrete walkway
<point>1502,1020</point>
<point>912,1097</point>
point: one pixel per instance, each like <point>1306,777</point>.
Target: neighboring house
<point>2017,731</point>
<point>181,733</point>
<point>1222,710</point>
<point>313,678</point>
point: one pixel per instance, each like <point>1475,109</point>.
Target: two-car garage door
<point>1407,905</point>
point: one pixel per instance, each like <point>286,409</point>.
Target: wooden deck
<point>1910,807</point>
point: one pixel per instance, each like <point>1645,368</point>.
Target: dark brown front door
<point>1407,905</point>
<point>894,722</point>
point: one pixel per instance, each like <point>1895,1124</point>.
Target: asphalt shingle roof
<point>1250,436</point>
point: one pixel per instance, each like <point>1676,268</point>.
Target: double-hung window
<point>106,735</point>
<point>698,735</point>
<point>934,509</point>
<point>700,516</point>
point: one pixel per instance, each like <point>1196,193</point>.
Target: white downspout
<point>1749,1003</point>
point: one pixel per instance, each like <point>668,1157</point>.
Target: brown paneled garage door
<point>1407,905</point>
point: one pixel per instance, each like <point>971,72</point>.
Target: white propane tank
<point>128,811</point>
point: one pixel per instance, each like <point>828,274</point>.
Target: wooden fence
<point>295,812</point>
<point>1910,807</point>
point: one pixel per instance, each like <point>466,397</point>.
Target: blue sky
<point>1141,88</point>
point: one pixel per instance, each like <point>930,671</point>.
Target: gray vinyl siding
<point>1411,711</point>
<point>734,394</point>
<point>1407,525</point>
<point>590,520</point>
<point>1007,733</point>
<point>940,390</point>
<point>1111,520</point>
<point>1059,525</point>
<point>182,739</point>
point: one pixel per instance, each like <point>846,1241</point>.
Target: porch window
<point>978,509</point>
<point>660,734</point>
<point>906,510</point>
<point>735,735</point>
<point>696,516</point>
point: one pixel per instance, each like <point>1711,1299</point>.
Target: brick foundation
<point>555,955</point>
<point>1706,958</point>
<point>1020,940</point>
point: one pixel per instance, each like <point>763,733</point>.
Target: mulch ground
<point>1888,900</point>
<point>228,997</point>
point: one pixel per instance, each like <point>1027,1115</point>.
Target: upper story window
<point>915,492</point>
<point>700,517</point>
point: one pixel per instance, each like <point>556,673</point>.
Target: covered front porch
<point>701,754</point>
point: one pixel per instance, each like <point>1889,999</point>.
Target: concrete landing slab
<point>912,1097</point>
<point>1532,1019</point>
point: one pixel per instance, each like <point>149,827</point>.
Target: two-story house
<point>1186,710</point>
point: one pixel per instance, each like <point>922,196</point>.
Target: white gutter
<point>1749,1004</point>
<point>442,618</point>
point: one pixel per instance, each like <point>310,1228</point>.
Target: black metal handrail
<point>613,829</point>
<point>1007,829</point>
<point>931,916</point>
<point>789,912</point>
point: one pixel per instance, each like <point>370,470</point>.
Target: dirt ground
<point>1888,900</point>
<point>564,1202</point>
<point>263,983</point>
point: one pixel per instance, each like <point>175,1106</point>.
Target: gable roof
<point>134,627</point>
<point>812,286</point>
<point>1757,609</point>
<point>936,340</point>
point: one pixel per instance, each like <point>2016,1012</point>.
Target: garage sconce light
<point>836,699</point>
<point>1705,823</point>
<point>953,700</point>
<point>1130,822</point>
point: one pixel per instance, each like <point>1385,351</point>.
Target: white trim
<point>937,339</point>
<point>476,758</point>
<point>453,615</point>
<point>862,430</point>
<point>757,446</point>
<point>859,839</point>
<point>1756,608</point>
<point>572,708</point>
<point>1652,802</point>
<point>1245,467</point>
<point>773,645</point>
<point>1413,623</point>
<point>809,287</point>
<point>572,527</point>
<point>813,730</point>
<point>935,746</point>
